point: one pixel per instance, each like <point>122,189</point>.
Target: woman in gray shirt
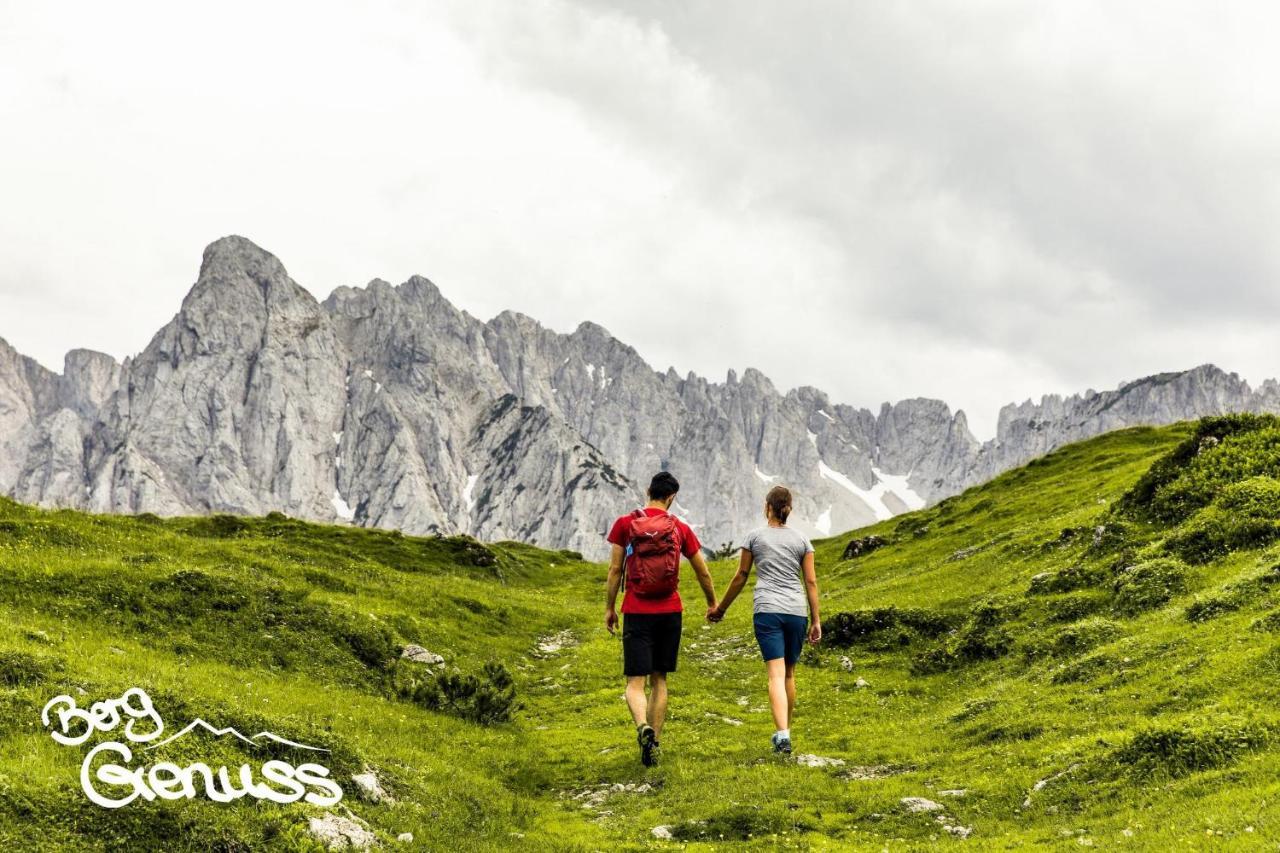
<point>786,593</point>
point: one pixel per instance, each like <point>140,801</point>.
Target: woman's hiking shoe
<point>648,740</point>
<point>781,745</point>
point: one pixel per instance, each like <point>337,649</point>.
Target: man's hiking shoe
<point>648,740</point>
<point>782,745</point>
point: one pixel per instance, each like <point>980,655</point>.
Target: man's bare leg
<point>636,701</point>
<point>657,702</point>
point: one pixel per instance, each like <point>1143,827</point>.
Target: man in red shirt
<point>649,543</point>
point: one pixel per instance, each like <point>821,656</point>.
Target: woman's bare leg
<point>779,695</point>
<point>790,678</point>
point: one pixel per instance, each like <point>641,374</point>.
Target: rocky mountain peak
<point>388,406</point>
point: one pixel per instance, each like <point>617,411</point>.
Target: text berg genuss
<point>280,781</point>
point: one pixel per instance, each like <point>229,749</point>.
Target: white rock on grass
<point>920,804</point>
<point>807,760</point>
<point>418,654</point>
<point>553,643</point>
<point>846,664</point>
<point>405,838</point>
<point>871,771</point>
<point>662,832</point>
<point>958,831</point>
<point>861,682</point>
<point>953,792</point>
<point>340,833</point>
<point>369,788</point>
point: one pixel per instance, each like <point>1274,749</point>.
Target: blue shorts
<point>781,635</point>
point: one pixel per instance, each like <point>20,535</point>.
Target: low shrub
<point>1077,639</point>
<point>1148,585</point>
<point>977,643</point>
<point>1109,537</point>
<point>1204,609</point>
<point>1269,623</point>
<point>1216,532</point>
<point>885,627</point>
<point>1222,450</point>
<point>742,823</point>
<point>487,698</point>
<point>1085,669</point>
<point>369,640</point>
<point>190,590</point>
<point>913,526</point>
<point>1069,579</point>
<point>220,526</point>
<point>1176,750</point>
<point>1077,605</point>
<point>973,708</point>
<point>20,669</point>
<point>1256,497</point>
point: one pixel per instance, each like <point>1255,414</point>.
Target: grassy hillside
<point>1083,651</point>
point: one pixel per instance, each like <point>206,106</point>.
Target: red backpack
<point>653,561</point>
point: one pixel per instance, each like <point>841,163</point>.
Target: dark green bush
<point>1085,669</point>
<point>1069,579</point>
<point>885,627</point>
<point>194,591</point>
<point>487,698</point>
<point>221,526</point>
<point>19,669</point>
<point>913,526</point>
<point>1077,605</point>
<point>976,643</point>
<point>1257,497</point>
<point>1222,450</point>
<point>1216,532</point>
<point>1269,623</point>
<point>742,823</point>
<point>1175,750</point>
<point>1083,636</point>
<point>973,708</point>
<point>370,641</point>
<point>1148,585</point>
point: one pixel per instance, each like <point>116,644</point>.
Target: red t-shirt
<point>689,545</point>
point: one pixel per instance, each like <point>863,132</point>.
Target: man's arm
<point>612,586</point>
<point>811,591</point>
<point>738,582</point>
<point>704,580</point>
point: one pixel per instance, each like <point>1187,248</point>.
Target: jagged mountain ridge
<point>387,406</point>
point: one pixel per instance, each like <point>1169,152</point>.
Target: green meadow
<point>1084,651</point>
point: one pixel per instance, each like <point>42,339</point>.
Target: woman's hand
<point>815,632</point>
<point>715,613</point>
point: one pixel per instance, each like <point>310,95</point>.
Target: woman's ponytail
<point>779,501</point>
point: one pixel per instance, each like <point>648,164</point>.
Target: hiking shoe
<point>781,745</point>
<point>648,740</point>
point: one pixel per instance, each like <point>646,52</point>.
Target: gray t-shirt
<point>778,553</point>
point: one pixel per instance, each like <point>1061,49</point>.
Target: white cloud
<point>977,202</point>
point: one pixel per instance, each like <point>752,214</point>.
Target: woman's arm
<point>811,590</point>
<point>738,582</point>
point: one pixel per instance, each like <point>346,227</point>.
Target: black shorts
<point>650,642</point>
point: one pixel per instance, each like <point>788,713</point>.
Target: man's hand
<point>815,633</point>
<point>611,619</point>
<point>714,614</point>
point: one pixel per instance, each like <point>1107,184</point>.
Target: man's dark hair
<point>663,486</point>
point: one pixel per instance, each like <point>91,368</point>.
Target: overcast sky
<point>976,201</point>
